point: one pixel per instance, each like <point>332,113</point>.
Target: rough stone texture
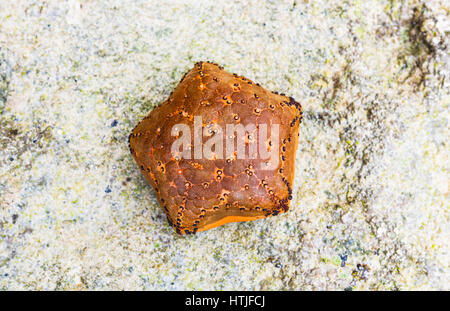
<point>370,206</point>
<point>203,189</point>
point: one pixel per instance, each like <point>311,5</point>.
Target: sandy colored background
<point>371,206</point>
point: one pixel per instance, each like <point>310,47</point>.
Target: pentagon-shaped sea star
<point>199,193</point>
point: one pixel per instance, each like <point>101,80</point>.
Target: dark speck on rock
<point>114,123</point>
<point>108,190</point>
<point>11,159</point>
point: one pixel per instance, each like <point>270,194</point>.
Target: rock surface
<point>370,206</point>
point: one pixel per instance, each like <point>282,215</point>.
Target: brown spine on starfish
<point>201,194</point>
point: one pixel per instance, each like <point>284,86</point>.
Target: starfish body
<point>199,193</point>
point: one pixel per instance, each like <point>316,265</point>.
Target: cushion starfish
<point>197,192</point>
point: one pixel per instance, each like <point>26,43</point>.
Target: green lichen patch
<point>5,75</point>
<point>421,43</point>
<point>17,140</point>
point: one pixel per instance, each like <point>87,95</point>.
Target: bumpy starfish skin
<point>200,194</point>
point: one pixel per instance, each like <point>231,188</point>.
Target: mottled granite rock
<point>370,206</point>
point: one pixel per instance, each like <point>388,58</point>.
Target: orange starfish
<point>197,192</point>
